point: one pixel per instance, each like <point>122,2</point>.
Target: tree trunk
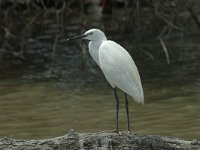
<point>101,140</point>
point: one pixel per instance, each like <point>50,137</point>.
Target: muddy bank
<point>103,140</point>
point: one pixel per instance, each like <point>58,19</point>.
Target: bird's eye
<point>90,33</point>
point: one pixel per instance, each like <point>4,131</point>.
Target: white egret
<point>117,66</point>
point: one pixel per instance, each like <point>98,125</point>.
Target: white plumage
<point>120,69</point>
<point>117,66</point>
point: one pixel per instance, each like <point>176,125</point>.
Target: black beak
<point>76,37</point>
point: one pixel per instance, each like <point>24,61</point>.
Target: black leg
<point>117,107</point>
<point>127,111</point>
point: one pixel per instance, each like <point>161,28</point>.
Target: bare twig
<point>165,29</point>
<point>43,5</point>
<point>31,22</point>
<point>82,28</point>
<point>8,34</point>
<point>167,21</point>
<point>148,54</point>
<point>193,15</point>
<point>59,19</point>
<point>161,16</point>
<point>138,23</point>
<point>165,50</point>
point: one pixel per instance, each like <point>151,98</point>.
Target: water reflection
<point>83,101</point>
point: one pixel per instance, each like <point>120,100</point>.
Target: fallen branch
<point>73,140</point>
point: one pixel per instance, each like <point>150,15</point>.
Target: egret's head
<point>92,35</point>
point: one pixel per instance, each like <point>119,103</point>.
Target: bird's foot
<point>115,131</point>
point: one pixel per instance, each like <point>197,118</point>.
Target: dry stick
<point>163,18</point>
<point>138,23</point>
<point>82,14</point>
<point>54,50</point>
<point>164,30</point>
<point>194,17</point>
<point>148,54</point>
<point>167,21</point>
<point>83,44</point>
<point>6,28</point>
<point>5,43</point>
<point>165,50</point>
<point>42,1</point>
<point>58,12</point>
<point>8,34</point>
<point>56,40</point>
<point>10,8</point>
<point>23,42</point>
<point>3,48</point>
<point>34,18</point>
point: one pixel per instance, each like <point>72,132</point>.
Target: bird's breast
<point>94,50</point>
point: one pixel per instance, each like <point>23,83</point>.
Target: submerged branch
<point>74,140</point>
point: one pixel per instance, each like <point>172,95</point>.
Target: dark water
<point>42,109</point>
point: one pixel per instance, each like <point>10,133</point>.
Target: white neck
<point>94,50</point>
